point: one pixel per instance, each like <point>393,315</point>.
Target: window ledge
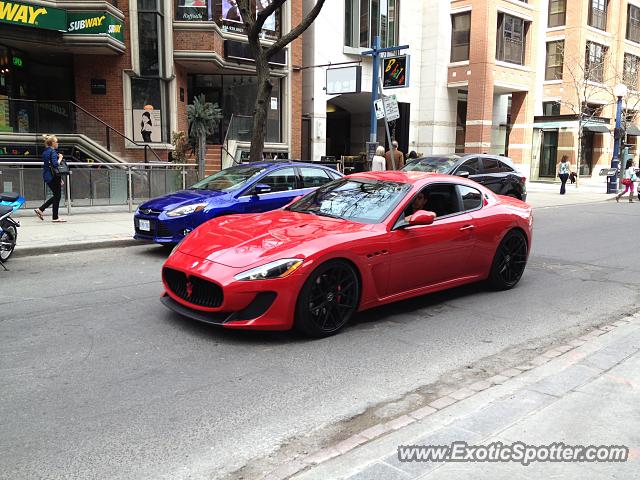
<point>347,50</point>
<point>632,43</point>
<point>463,63</point>
<point>521,4</point>
<point>556,29</point>
<point>524,68</point>
<point>553,82</point>
<point>595,84</point>
<point>599,32</point>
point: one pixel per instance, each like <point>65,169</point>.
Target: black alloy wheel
<point>328,299</point>
<point>509,261</point>
<point>7,242</point>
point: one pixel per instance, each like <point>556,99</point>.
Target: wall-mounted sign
<point>17,61</point>
<point>395,72</point>
<point>95,22</point>
<point>98,86</point>
<point>344,80</point>
<point>25,15</point>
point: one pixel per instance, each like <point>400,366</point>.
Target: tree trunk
<point>265,88</point>
<point>202,151</point>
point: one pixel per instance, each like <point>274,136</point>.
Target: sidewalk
<point>100,227</point>
<point>584,393</point>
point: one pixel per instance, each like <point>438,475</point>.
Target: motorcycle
<point>9,203</point>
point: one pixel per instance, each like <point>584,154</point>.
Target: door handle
<point>467,227</point>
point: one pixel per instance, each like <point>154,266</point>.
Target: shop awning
<point>596,128</point>
<point>633,130</point>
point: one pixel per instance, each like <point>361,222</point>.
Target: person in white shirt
<point>629,177</point>
<point>378,163</point>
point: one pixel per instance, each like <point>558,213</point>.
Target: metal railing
<point>99,184</point>
<point>66,117</point>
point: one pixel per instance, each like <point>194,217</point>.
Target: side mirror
<point>462,173</point>
<point>261,188</point>
<point>422,217</point>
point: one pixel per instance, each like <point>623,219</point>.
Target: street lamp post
<point>619,91</point>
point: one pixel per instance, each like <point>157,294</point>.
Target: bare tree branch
<point>296,31</point>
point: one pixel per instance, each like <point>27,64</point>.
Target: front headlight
<point>277,269</point>
<point>186,210</point>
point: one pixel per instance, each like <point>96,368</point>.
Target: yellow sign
<point>13,12</point>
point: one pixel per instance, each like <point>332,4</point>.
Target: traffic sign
<point>391,107</point>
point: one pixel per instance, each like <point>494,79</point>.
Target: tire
<point>8,239</point>
<point>328,299</point>
<point>509,261</point>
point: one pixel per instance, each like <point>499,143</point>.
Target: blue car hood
<point>183,197</point>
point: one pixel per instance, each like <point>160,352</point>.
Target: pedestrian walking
<point>628,179</point>
<point>564,170</point>
<point>378,162</point>
<point>50,162</point>
<point>399,157</point>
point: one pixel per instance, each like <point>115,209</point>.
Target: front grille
<point>163,230</point>
<point>152,224</point>
<point>194,290</point>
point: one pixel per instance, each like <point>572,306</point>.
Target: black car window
<point>472,166</point>
<point>313,177</point>
<point>441,199</point>
<point>471,198</point>
<point>280,180</point>
<point>491,165</point>
<point>505,168</point>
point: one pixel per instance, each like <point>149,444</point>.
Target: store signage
<point>17,62</point>
<point>98,86</point>
<point>344,80</point>
<point>395,72</point>
<point>17,13</point>
<point>87,23</point>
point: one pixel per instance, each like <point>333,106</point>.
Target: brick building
<point>113,76</point>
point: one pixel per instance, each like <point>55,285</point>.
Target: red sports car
<point>353,244</point>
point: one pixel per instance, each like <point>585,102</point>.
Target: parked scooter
<point>9,203</point>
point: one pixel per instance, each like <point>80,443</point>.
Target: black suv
<point>495,172</point>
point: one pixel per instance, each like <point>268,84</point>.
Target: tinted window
<point>280,180</point>
<point>313,177</point>
<point>471,198</point>
<point>354,199</point>
<point>472,166</point>
<point>491,165</point>
<point>505,168</point>
<point>228,179</point>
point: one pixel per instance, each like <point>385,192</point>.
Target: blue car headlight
<point>186,210</point>
<point>278,269</point>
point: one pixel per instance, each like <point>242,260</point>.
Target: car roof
<point>282,163</point>
<point>406,177</point>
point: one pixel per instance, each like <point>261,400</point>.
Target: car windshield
<point>228,179</point>
<point>355,199</point>
<point>442,164</point>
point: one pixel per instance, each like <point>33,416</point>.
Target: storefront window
<point>194,10</point>
<point>236,96</point>
<point>227,15</point>
<point>149,107</point>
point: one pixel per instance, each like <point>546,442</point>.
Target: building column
<point>479,114</point>
<point>521,134</point>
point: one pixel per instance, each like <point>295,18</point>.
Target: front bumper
<point>255,305</point>
<point>162,230</point>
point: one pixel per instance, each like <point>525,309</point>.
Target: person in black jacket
<point>50,159</point>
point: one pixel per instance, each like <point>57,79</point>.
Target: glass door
<point>549,153</point>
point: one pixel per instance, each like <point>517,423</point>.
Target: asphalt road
<point>99,380</point>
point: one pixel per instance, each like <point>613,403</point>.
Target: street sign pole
<point>375,54</point>
<point>386,126</point>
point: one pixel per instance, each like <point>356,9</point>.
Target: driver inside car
<point>419,203</point>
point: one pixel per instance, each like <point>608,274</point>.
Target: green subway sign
<point>16,13</point>
<point>87,23</point>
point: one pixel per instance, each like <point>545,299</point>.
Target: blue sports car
<point>247,188</point>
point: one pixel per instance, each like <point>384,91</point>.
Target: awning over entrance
<point>633,130</point>
<point>595,128</point>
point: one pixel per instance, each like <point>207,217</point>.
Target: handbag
<point>61,169</point>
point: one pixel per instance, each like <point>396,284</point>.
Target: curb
<point>74,247</point>
<point>302,464</point>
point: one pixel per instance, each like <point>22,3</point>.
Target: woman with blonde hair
<point>50,162</point>
<point>378,163</point>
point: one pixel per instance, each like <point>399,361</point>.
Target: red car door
<point>424,255</point>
